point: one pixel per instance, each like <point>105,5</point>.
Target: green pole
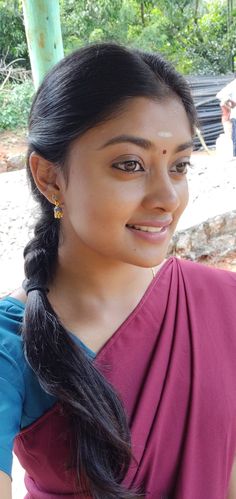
<point>43,32</point>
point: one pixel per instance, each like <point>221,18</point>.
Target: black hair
<point>83,90</point>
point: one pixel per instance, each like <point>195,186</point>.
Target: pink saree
<point>173,362</point>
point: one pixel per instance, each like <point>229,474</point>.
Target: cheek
<point>183,194</point>
<point>101,203</point>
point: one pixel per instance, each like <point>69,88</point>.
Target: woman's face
<point>127,183</point>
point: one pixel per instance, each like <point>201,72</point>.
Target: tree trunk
<point>142,13</point>
<point>43,32</point>
<point>229,24</point>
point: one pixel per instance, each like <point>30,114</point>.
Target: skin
<point>232,485</point>
<point>99,257</point>
<point>5,486</point>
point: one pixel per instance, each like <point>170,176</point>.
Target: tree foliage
<point>13,43</point>
<point>198,36</point>
<point>15,100</point>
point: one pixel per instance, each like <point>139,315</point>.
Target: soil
<point>12,142</point>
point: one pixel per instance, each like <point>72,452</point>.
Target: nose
<point>161,193</point>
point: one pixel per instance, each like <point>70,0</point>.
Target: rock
<point>3,166</point>
<point>213,239</point>
<point>16,162</point>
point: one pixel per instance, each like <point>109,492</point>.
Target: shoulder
<point>11,312</point>
<point>11,315</point>
<point>229,87</point>
<point>19,295</point>
<point>12,370</point>
<point>209,295</point>
<point>205,272</point>
<point>209,284</point>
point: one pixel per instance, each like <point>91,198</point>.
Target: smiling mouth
<point>145,228</point>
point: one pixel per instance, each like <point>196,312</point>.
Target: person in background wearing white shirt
<point>227,97</point>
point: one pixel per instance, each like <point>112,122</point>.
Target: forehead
<point>164,121</point>
<point>148,113</point>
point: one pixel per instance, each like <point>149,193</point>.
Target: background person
<point>227,96</point>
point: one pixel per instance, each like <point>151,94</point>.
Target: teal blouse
<point>22,400</point>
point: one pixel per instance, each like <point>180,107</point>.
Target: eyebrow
<point>140,142</point>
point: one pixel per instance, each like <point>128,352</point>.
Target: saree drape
<point>173,363</point>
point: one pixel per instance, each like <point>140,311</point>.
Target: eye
<point>181,168</point>
<point>129,166</point>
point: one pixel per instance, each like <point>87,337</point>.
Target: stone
<point>214,238</point>
<point>3,166</point>
<point>16,162</point>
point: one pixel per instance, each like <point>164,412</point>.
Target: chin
<point>148,261</point>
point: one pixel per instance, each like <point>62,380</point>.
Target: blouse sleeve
<point>12,389</point>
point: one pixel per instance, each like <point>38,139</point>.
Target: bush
<point>15,102</point>
<point>13,44</point>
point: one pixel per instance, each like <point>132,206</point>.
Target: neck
<point>102,280</point>
<point>87,294</point>
<point>84,277</point>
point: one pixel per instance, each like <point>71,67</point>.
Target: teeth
<point>146,229</point>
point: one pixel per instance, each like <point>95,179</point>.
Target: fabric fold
<point>173,364</point>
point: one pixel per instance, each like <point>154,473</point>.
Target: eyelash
<point>184,164</point>
<point>128,162</point>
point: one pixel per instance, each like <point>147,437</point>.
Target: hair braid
<point>45,339</point>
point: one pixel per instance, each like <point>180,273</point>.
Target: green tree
<point>13,43</point>
<point>87,21</point>
<point>207,43</point>
<point>191,34</point>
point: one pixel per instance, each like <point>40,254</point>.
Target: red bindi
<point>164,151</point>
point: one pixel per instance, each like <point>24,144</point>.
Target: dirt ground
<point>12,142</point>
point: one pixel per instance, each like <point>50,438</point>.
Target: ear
<point>47,177</point>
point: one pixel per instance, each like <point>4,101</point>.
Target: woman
<point>125,387</point>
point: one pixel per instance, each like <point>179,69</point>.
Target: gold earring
<point>58,211</point>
